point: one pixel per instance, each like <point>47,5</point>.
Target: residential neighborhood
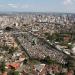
<point>37,44</point>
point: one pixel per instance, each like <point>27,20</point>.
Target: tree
<point>2,68</point>
<point>48,36</point>
<point>12,50</point>
<point>16,73</point>
<point>13,72</point>
<point>8,28</point>
<point>47,60</point>
<point>70,63</point>
<point>25,61</point>
<point>5,48</point>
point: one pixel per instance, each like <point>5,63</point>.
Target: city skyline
<point>67,6</point>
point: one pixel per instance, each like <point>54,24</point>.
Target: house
<point>40,69</point>
<point>70,72</point>
<point>5,73</point>
<point>14,65</point>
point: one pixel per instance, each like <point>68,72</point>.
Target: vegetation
<point>70,63</point>
<point>33,42</point>
<point>12,50</point>
<point>54,37</point>
<point>48,36</point>
<point>34,61</point>
<point>48,61</point>
<point>7,48</point>
<point>25,61</point>
<point>8,28</point>
<point>2,67</point>
<point>16,73</point>
<point>13,72</point>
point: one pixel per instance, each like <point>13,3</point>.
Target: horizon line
<point>35,12</point>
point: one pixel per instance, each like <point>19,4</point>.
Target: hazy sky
<point>38,5</point>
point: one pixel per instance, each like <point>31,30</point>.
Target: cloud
<point>13,5</point>
<point>10,4</point>
<point>67,2</point>
<point>25,6</point>
<point>19,6</point>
